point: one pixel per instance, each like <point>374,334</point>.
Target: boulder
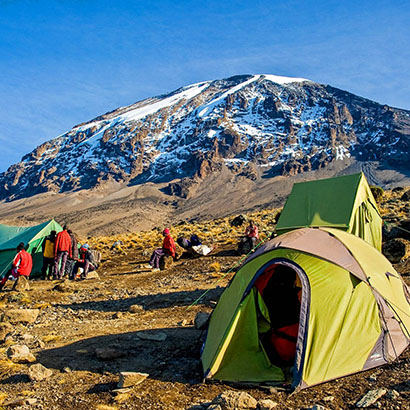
<point>396,250</point>
<point>238,220</point>
<point>166,262</point>
<point>370,398</point>
<point>406,196</point>
<point>201,320</point>
<point>21,284</point>
<point>38,372</point>
<point>128,379</point>
<point>20,315</point>
<point>92,275</point>
<point>5,329</point>
<point>232,400</point>
<point>20,354</point>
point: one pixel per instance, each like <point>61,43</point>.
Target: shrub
<point>377,192</point>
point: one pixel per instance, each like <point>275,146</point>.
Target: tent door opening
<point>280,289</point>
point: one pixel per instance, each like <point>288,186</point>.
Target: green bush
<point>377,192</point>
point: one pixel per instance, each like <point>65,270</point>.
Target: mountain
<point>254,126</point>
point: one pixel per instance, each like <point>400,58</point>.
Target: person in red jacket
<point>168,248</point>
<point>21,266</point>
<point>62,250</point>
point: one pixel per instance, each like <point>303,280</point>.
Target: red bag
<point>284,341</point>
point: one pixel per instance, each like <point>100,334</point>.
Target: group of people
<point>62,257</point>
<point>195,248</point>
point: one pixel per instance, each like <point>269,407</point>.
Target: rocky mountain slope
<point>254,126</point>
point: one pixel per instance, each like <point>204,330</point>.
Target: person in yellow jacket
<point>48,255</point>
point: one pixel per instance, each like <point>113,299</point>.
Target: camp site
<point>315,316</point>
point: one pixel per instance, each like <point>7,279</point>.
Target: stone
<point>201,320</point>
<point>121,391</point>
<point>22,401</point>
<point>238,220</point>
<point>317,407</point>
<point>67,369</point>
<point>396,250</point>
<point>166,262</point>
<point>38,372</point>
<point>22,284</point>
<point>93,275</point>
<point>155,336</point>
<point>65,286</point>
<point>328,398</point>
<point>27,338</point>
<point>136,309</point>
<point>406,196</point>
<point>214,407</point>
<point>393,394</point>
<point>267,404</point>
<point>117,315</point>
<point>128,379</point>
<point>372,378</point>
<point>20,354</point>
<point>231,400</point>
<point>21,315</point>
<point>370,398</point>
<point>5,329</point>
<point>109,353</point>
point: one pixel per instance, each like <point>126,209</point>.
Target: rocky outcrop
<point>255,125</point>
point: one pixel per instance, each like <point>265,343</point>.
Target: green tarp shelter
<point>31,236</point>
<point>344,202</point>
<point>354,311</point>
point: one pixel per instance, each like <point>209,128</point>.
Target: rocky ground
<point>132,319</point>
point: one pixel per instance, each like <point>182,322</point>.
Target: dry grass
<point>3,397</point>
<point>215,267</point>
<point>105,407</point>
<point>215,232</point>
<point>51,338</point>
<point>41,306</point>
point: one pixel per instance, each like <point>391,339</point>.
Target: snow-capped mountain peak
<point>252,124</point>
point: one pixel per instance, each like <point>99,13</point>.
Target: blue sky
<point>65,62</point>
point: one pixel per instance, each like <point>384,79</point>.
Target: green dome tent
<point>33,236</point>
<point>354,311</point>
<point>344,202</point>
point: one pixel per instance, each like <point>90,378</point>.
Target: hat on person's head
<point>166,231</point>
<point>20,246</point>
<point>85,246</point>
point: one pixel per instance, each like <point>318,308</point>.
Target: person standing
<point>48,255</point>
<point>21,266</point>
<point>62,250</point>
<point>71,260</point>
